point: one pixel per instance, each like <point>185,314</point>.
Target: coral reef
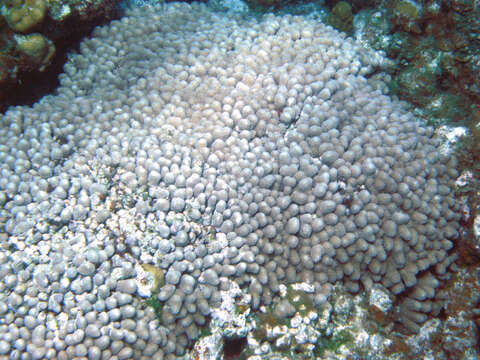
<point>23,15</point>
<point>435,47</point>
<point>188,153</point>
<point>36,49</point>
<point>34,34</point>
<point>347,326</point>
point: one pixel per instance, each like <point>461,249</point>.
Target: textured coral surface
<point>186,149</point>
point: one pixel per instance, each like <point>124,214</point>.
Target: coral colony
<point>186,151</point>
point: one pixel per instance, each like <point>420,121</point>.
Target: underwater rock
<point>229,152</point>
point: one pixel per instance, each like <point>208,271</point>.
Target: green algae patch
<point>406,15</point>
<point>301,300</point>
<point>407,9</point>
<point>341,17</point>
<point>156,305</point>
<point>333,343</point>
<point>205,330</point>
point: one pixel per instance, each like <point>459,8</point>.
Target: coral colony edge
<point>187,152</point>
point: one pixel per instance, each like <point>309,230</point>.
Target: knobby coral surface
<point>185,148</point>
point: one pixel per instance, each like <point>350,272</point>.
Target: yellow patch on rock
<point>23,15</point>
